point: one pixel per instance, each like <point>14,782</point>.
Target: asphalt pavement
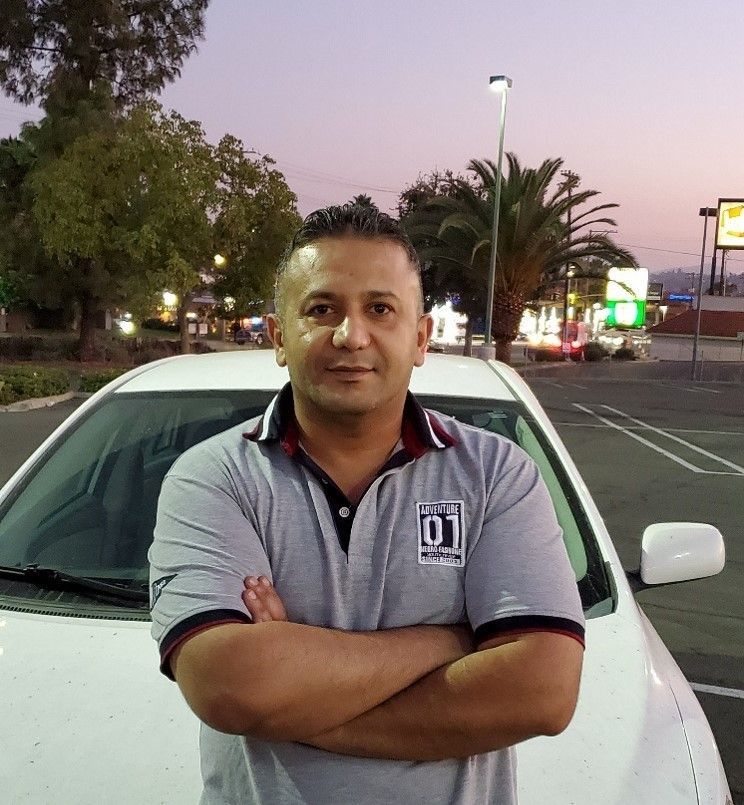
<point>659,450</point>
<point>650,450</point>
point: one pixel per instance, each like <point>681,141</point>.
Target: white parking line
<point>732,693</point>
<point>577,385</point>
<point>689,445</point>
<point>670,430</point>
<point>689,388</point>
<point>640,439</point>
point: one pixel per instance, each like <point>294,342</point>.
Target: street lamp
<point>219,260</point>
<point>705,212</point>
<point>501,84</point>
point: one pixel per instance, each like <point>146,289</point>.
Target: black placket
<point>342,509</point>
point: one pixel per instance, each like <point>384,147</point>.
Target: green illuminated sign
<point>626,314</point>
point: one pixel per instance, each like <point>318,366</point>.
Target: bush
<point>594,351</point>
<point>158,324</point>
<point>25,382</point>
<point>624,354</point>
<point>546,354</point>
<point>96,380</point>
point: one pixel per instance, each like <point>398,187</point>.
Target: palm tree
<point>362,200</point>
<point>536,242</point>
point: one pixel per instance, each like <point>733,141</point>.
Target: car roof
<point>442,375</point>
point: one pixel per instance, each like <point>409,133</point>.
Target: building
<point>721,332</point>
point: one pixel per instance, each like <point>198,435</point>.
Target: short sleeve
<point>518,576</point>
<point>205,544</point>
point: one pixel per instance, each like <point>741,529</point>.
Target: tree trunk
<point>183,325</point>
<point>467,349</point>
<point>503,349</point>
<point>87,343</point>
<point>508,307</point>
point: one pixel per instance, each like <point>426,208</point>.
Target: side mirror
<point>675,552</point>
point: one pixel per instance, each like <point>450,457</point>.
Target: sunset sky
<point>643,101</point>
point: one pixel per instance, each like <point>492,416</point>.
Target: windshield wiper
<point>58,579</point>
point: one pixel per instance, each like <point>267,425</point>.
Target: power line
<point>673,251</point>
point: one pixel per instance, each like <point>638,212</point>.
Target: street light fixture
<point>705,212</point>
<point>501,84</point>
<point>219,260</point>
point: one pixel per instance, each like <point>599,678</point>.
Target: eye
<point>380,308</point>
<point>319,310</point>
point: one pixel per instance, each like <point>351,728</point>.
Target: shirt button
<point>344,511</point>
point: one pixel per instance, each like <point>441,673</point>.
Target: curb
<point>41,402</point>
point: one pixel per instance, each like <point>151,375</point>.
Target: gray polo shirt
<point>458,526</point>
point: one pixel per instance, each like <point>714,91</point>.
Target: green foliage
<point>58,49</point>
<point>453,232</point>
<point>92,381</point>
<point>255,218</point>
<point>363,200</point>
<point>594,351</point>
<point>8,292</point>
<point>25,382</point>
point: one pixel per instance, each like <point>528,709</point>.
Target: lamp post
<point>705,212</point>
<point>565,347</point>
<point>500,84</point>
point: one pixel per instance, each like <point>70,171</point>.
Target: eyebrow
<point>332,296</point>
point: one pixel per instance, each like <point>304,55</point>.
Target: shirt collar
<point>421,430</point>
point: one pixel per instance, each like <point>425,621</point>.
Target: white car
<point>85,715</point>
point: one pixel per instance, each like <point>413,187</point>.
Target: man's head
<point>346,220</point>
<point>349,321</point>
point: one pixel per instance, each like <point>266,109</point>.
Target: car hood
<point>87,718</point>
<point>626,742</point>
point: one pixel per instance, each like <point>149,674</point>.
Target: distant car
<point>256,335</point>
<point>86,716</point>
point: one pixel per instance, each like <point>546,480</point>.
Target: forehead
<point>350,263</point>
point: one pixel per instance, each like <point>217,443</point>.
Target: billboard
<point>627,289</point>
<point>655,291</point>
<point>730,224</point>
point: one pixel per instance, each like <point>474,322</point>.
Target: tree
<point>427,187</point>
<point>62,50</point>
<point>124,210</point>
<point>255,217</point>
<point>140,209</point>
<point>447,272</point>
<point>363,200</point>
<point>535,240</point>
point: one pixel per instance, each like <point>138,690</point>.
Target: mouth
<point>350,372</point>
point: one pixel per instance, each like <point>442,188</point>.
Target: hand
<point>262,600</point>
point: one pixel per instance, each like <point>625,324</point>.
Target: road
<point>670,450</point>
<point>650,451</point>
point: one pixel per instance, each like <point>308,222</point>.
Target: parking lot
<point>650,450</point>
<point>670,450</point>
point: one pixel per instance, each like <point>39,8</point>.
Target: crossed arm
<point>416,693</point>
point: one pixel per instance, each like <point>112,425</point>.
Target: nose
<point>352,333</point>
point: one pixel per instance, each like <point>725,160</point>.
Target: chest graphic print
<point>441,533</point>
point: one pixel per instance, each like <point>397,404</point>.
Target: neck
<point>363,437</point>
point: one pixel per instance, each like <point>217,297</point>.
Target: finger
<point>270,597</point>
<point>256,607</point>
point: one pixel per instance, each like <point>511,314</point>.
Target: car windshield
<point>88,506</point>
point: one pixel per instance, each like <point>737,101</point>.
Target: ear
<point>423,334</point>
<point>274,330</point>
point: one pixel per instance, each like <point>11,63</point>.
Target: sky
<point>642,100</point>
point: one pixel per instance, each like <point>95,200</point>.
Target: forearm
<point>288,681</point>
<point>480,703</point>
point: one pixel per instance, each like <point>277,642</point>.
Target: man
<point>299,601</point>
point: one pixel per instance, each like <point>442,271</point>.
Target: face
<point>351,327</point>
